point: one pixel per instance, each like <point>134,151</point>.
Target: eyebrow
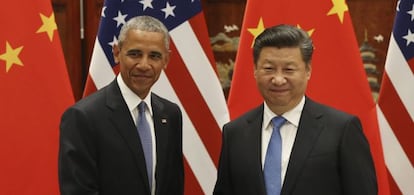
<point>140,51</point>
<point>156,53</point>
<point>134,51</point>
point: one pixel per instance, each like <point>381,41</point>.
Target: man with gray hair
<point>124,139</point>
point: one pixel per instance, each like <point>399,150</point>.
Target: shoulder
<point>331,116</point>
<point>320,108</point>
<point>97,101</point>
<point>253,115</point>
<point>161,100</point>
<point>164,104</point>
<point>91,101</point>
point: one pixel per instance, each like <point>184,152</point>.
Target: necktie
<point>273,160</point>
<point>144,132</point>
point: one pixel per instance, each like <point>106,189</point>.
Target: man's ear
<point>309,70</point>
<point>167,59</point>
<point>116,51</point>
<point>255,71</point>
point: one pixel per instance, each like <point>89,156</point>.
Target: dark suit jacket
<point>100,150</point>
<point>330,156</point>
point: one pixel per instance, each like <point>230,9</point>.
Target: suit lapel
<point>161,132</point>
<point>124,124</point>
<point>253,132</point>
<point>309,129</point>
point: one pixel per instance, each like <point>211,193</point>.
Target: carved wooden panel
<point>373,21</point>
<point>224,20</point>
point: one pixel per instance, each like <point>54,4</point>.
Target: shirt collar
<point>293,116</point>
<point>132,100</point>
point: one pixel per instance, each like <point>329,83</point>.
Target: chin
<point>278,103</point>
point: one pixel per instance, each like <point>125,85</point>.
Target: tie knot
<point>278,121</point>
<point>141,107</point>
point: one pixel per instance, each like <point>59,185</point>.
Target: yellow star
<point>48,26</point>
<point>11,56</point>
<point>256,31</point>
<point>339,7</point>
<point>310,32</point>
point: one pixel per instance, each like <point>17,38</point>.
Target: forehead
<point>280,50</point>
<point>268,53</point>
<point>135,35</point>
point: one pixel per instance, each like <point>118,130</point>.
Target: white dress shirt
<point>132,100</point>
<point>287,132</point>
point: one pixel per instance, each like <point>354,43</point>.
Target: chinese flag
<point>338,78</point>
<point>35,90</point>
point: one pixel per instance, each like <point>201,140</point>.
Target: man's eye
<point>290,69</point>
<point>268,69</point>
<point>155,56</point>
<point>133,54</point>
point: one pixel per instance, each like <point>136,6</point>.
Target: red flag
<point>190,79</point>
<point>338,78</point>
<point>35,90</point>
<point>395,103</point>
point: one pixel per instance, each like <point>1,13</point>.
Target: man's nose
<point>143,62</point>
<point>278,78</point>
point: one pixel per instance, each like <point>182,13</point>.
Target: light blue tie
<point>144,132</point>
<point>273,160</point>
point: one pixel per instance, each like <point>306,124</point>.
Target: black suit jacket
<point>330,156</point>
<point>100,150</point>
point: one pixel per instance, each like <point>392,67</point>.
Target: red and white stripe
<point>204,101</point>
<point>395,110</point>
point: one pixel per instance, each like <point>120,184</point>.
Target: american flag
<point>395,106</point>
<point>190,79</point>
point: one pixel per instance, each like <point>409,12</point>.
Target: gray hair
<point>144,23</point>
<point>281,36</point>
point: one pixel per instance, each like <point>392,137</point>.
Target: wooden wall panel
<point>67,19</point>
<point>92,13</point>
<point>76,48</point>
